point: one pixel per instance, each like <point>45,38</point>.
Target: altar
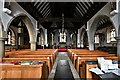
<point>62,45</point>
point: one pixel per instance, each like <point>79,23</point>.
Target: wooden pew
<point>85,52</point>
<point>72,52</point>
<point>81,67</point>
<point>86,67</point>
<point>45,60</point>
<point>92,64</point>
<point>39,53</point>
<point>75,52</point>
<point>18,72</point>
<point>90,55</point>
<point>34,56</point>
<point>27,51</point>
<point>82,55</point>
<point>83,59</point>
<point>46,56</point>
<point>17,52</point>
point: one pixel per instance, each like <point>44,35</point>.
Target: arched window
<point>111,35</point>
<point>96,38</point>
<point>10,38</point>
<point>63,37</point>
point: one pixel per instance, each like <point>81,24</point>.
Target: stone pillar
<point>81,44</point>
<point>2,47</point>
<point>91,46</point>
<point>52,39</point>
<point>46,43</point>
<point>78,39</point>
<point>39,40</point>
<point>91,42</point>
<point>20,38</point>
<point>17,39</point>
<point>118,46</point>
<point>33,46</point>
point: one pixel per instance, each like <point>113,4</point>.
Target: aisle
<point>63,68</point>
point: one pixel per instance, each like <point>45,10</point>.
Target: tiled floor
<point>63,68</point>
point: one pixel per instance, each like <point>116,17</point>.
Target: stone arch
<point>30,27</point>
<point>96,20</point>
<point>93,29</point>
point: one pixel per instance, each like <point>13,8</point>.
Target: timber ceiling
<point>49,13</point>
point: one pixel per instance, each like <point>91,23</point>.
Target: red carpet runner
<point>62,50</point>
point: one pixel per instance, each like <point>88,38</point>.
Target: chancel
<point>63,35</point>
<point>47,39</point>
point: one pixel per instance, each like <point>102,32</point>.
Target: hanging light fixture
<point>63,25</point>
<point>62,22</point>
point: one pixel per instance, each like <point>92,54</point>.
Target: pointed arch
<point>94,27</point>
<point>30,28</point>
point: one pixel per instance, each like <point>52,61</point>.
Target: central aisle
<point>63,70</point>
